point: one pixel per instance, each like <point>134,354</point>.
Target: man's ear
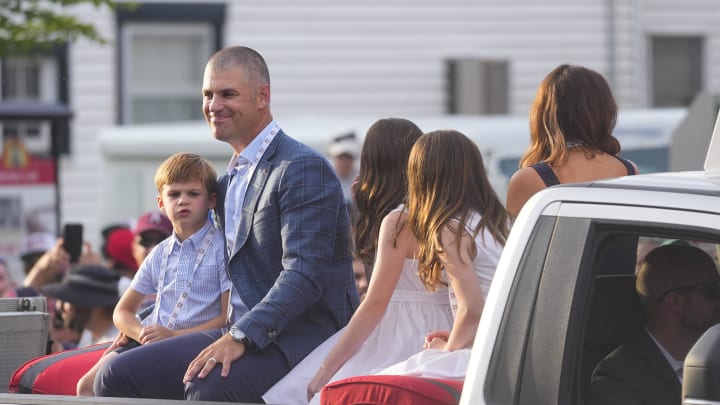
<point>262,96</point>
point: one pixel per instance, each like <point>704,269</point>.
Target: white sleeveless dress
<point>453,365</point>
<point>411,313</point>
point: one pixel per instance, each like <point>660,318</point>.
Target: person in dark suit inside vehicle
<point>679,289</point>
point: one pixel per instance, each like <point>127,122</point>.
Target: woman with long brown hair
<point>571,141</point>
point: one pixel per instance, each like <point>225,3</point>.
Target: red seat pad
<point>391,389</point>
<point>57,373</point>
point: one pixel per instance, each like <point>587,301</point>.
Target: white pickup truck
<point>563,294</point>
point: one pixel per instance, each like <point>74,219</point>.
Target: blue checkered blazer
<point>292,264</point>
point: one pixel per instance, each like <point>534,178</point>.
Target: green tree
<point>27,25</point>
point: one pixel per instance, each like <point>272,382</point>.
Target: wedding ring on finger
<point>213,359</point>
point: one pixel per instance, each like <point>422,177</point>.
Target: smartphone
<point>73,240</point>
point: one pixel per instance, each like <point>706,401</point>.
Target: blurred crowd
<point>82,295</point>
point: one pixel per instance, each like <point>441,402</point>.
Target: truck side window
<point>615,315</point>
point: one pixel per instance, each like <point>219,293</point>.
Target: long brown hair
<point>446,181</point>
<point>573,104</point>
<point>382,181</point>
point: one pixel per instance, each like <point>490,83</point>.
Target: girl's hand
<point>321,378</point>
<point>353,186</point>
<point>436,339</point>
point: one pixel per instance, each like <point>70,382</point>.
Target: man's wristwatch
<point>240,337</point>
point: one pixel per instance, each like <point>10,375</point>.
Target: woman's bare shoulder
<point>523,184</point>
<point>525,180</point>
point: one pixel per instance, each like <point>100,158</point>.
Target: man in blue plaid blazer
<point>289,255</point>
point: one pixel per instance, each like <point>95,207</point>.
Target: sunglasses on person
<point>710,290</point>
<point>149,241</point>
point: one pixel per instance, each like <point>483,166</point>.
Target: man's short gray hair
<point>248,58</point>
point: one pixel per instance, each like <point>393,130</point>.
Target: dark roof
<point>31,109</point>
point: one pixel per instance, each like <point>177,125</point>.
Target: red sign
<point>18,167</point>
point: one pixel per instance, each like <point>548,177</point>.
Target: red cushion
<point>57,373</point>
<point>392,389</point>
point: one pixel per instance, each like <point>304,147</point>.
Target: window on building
<point>32,78</point>
<point>163,50</point>
<point>676,70</point>
<point>477,86</point>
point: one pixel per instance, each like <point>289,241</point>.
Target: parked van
<point>131,154</point>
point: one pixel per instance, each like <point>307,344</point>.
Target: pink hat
<point>154,221</point>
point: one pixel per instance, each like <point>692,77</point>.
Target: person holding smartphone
<point>51,267</point>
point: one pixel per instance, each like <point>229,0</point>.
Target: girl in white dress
<point>461,227</point>
<point>397,311</point>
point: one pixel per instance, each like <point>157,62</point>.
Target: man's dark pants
<point>156,370</point>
